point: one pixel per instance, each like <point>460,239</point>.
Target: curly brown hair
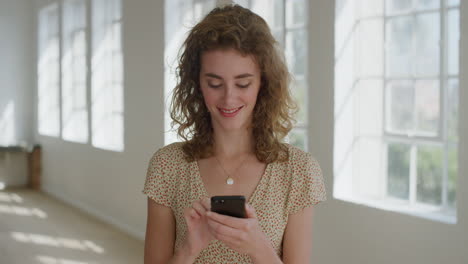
<point>233,26</point>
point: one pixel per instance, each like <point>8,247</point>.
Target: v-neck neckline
<point>252,196</point>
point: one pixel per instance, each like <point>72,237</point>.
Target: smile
<point>230,112</point>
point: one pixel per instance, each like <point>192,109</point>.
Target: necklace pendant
<point>230,181</point>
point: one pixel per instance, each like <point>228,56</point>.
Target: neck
<point>233,144</point>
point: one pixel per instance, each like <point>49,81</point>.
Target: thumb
<point>250,211</point>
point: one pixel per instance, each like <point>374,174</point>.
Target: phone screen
<point>233,205</point>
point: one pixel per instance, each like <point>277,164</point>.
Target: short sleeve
<point>159,185</point>
<point>307,187</point>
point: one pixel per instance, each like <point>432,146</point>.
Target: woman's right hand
<point>198,234</point>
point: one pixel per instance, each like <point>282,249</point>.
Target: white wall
<point>16,78</point>
<point>108,184</point>
<point>350,233</point>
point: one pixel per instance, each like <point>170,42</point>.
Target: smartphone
<point>232,205</point>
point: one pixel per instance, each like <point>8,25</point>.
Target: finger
<point>194,214</point>
<point>188,216</point>
<point>206,202</point>
<point>250,211</point>
<point>234,222</point>
<point>228,241</point>
<point>199,208</point>
<point>224,230</point>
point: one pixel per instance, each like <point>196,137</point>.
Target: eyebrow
<point>240,76</point>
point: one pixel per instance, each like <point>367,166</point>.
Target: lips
<point>229,112</point>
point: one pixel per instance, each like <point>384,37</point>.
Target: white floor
<point>36,228</point>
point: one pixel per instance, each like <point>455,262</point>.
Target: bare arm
<point>160,236</point>
<point>160,233</point>
<point>297,241</point>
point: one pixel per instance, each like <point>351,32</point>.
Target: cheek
<point>209,97</point>
<point>252,96</point>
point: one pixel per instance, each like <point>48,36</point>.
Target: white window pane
<point>398,170</point>
<point>452,113</point>
<point>452,176</point>
<point>400,105</point>
<point>370,48</point>
<point>453,38</point>
<point>296,45</point>
<point>116,7</point>
<point>298,138</point>
<point>278,35</point>
<point>299,92</point>
<point>345,20</point>
<point>453,2</point>
<point>271,12</point>
<point>429,175</point>
<point>296,12</point>
<point>369,108</point>
<point>397,6</point>
<point>427,4</point>
<point>202,7</point>
<point>369,8</point>
<point>399,32</point>
<point>278,13</point>
<point>426,46</point>
<point>265,9</point>
<point>244,3</point>
<point>427,97</point>
<point>79,70</point>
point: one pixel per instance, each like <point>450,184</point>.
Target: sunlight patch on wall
<point>74,72</point>
<point>107,106</point>
<point>7,125</point>
<point>48,72</point>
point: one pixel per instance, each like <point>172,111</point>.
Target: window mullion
<point>413,174</point>
<point>443,117</point>
<point>60,37</point>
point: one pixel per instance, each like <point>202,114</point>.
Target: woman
<point>233,108</point>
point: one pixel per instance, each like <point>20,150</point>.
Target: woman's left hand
<point>243,235</point>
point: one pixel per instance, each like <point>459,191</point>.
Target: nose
<point>229,92</point>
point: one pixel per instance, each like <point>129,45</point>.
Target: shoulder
<point>168,157</point>
<point>299,157</point>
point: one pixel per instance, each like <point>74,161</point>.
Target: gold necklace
<point>229,179</point>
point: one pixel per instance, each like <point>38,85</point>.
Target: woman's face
<point>230,83</point>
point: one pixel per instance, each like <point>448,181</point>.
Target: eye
<point>214,85</point>
<point>243,85</point>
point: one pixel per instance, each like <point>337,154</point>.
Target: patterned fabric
<point>285,188</point>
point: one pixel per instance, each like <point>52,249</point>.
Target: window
<point>287,20</point>
<point>74,72</point>
<point>79,107</point>
<point>106,76</point>
<point>396,103</point>
<point>48,71</point>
